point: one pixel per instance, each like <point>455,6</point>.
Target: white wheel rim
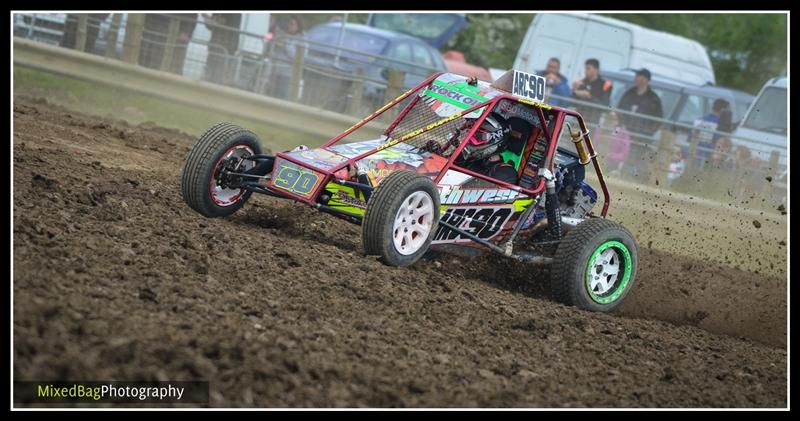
<point>412,223</point>
<point>605,271</point>
<point>223,196</point>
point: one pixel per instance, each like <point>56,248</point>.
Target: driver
<point>482,151</point>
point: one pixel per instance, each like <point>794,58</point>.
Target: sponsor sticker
<point>294,178</point>
<point>483,222</point>
<point>453,195</point>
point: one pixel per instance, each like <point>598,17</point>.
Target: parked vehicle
<point>41,27</point>
<point>457,63</point>
<point>333,56</point>
<point>574,38</point>
<point>360,44</point>
<point>681,102</point>
<point>243,62</point>
<point>434,28</point>
<point>697,101</point>
<point>766,122</point>
<point>417,187</point>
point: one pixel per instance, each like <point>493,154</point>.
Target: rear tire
<point>199,183</point>
<point>595,266</point>
<point>401,218</point>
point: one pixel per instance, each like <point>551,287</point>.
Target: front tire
<point>401,218</point>
<point>200,185</point>
<point>595,266</point>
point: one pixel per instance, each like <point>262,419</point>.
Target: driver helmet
<point>489,139</point>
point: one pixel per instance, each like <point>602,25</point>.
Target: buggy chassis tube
<point>333,211</point>
<point>489,105</point>
<point>354,184</point>
<point>381,110</point>
<point>255,187</point>
<point>494,247</point>
<point>415,133</point>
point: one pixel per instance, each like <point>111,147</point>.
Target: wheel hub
<point>605,271</point>
<point>413,222</point>
<point>221,192</point>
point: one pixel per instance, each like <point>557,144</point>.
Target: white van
<point>252,23</point>
<point>574,38</point>
<point>766,122</point>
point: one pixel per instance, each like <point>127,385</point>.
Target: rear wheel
<point>401,218</point>
<point>595,266</point>
<point>202,186</point>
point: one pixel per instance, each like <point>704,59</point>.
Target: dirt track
<point>115,278</point>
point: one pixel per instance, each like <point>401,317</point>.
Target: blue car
<point>376,51</point>
<point>334,56</point>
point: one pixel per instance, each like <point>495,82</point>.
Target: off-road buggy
<point>413,192</point>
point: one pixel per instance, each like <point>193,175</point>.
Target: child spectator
<point>619,146</point>
<point>705,137</point>
<point>676,165</point>
<point>721,158</point>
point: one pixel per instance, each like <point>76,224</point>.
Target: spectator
<point>224,43</point>
<point>743,159</point>
<point>619,146</point>
<point>676,166</point>
<point>185,32</point>
<point>282,30</point>
<point>747,174</point>
<point>592,88</point>
<point>725,122</point>
<point>92,30</point>
<point>283,50</point>
<point>556,82</point>
<point>721,158</point>
<point>710,121</point>
<point>641,99</point>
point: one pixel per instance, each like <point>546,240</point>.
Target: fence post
<point>774,158</point>
<point>169,49</point>
<point>133,38</point>
<point>395,85</point>
<point>297,73</point>
<point>692,163</point>
<point>663,156</point>
<point>112,35</point>
<point>80,34</point>
<point>354,107</point>
<point>770,171</point>
<point>393,89</point>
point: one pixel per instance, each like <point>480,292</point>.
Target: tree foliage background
<point>745,49</point>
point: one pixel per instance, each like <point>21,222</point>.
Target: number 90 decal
<point>294,178</point>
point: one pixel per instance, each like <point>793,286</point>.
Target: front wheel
<point>595,266</point>
<point>401,218</point>
<point>202,187</point>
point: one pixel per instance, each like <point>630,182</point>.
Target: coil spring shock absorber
<point>551,205</point>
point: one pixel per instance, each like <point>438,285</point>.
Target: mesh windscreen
<point>420,116</point>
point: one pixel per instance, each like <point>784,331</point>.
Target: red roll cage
<point>561,115</point>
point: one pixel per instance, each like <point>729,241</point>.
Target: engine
<point>575,196</point>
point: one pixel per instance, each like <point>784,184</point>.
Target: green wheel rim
<point>621,283</point>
